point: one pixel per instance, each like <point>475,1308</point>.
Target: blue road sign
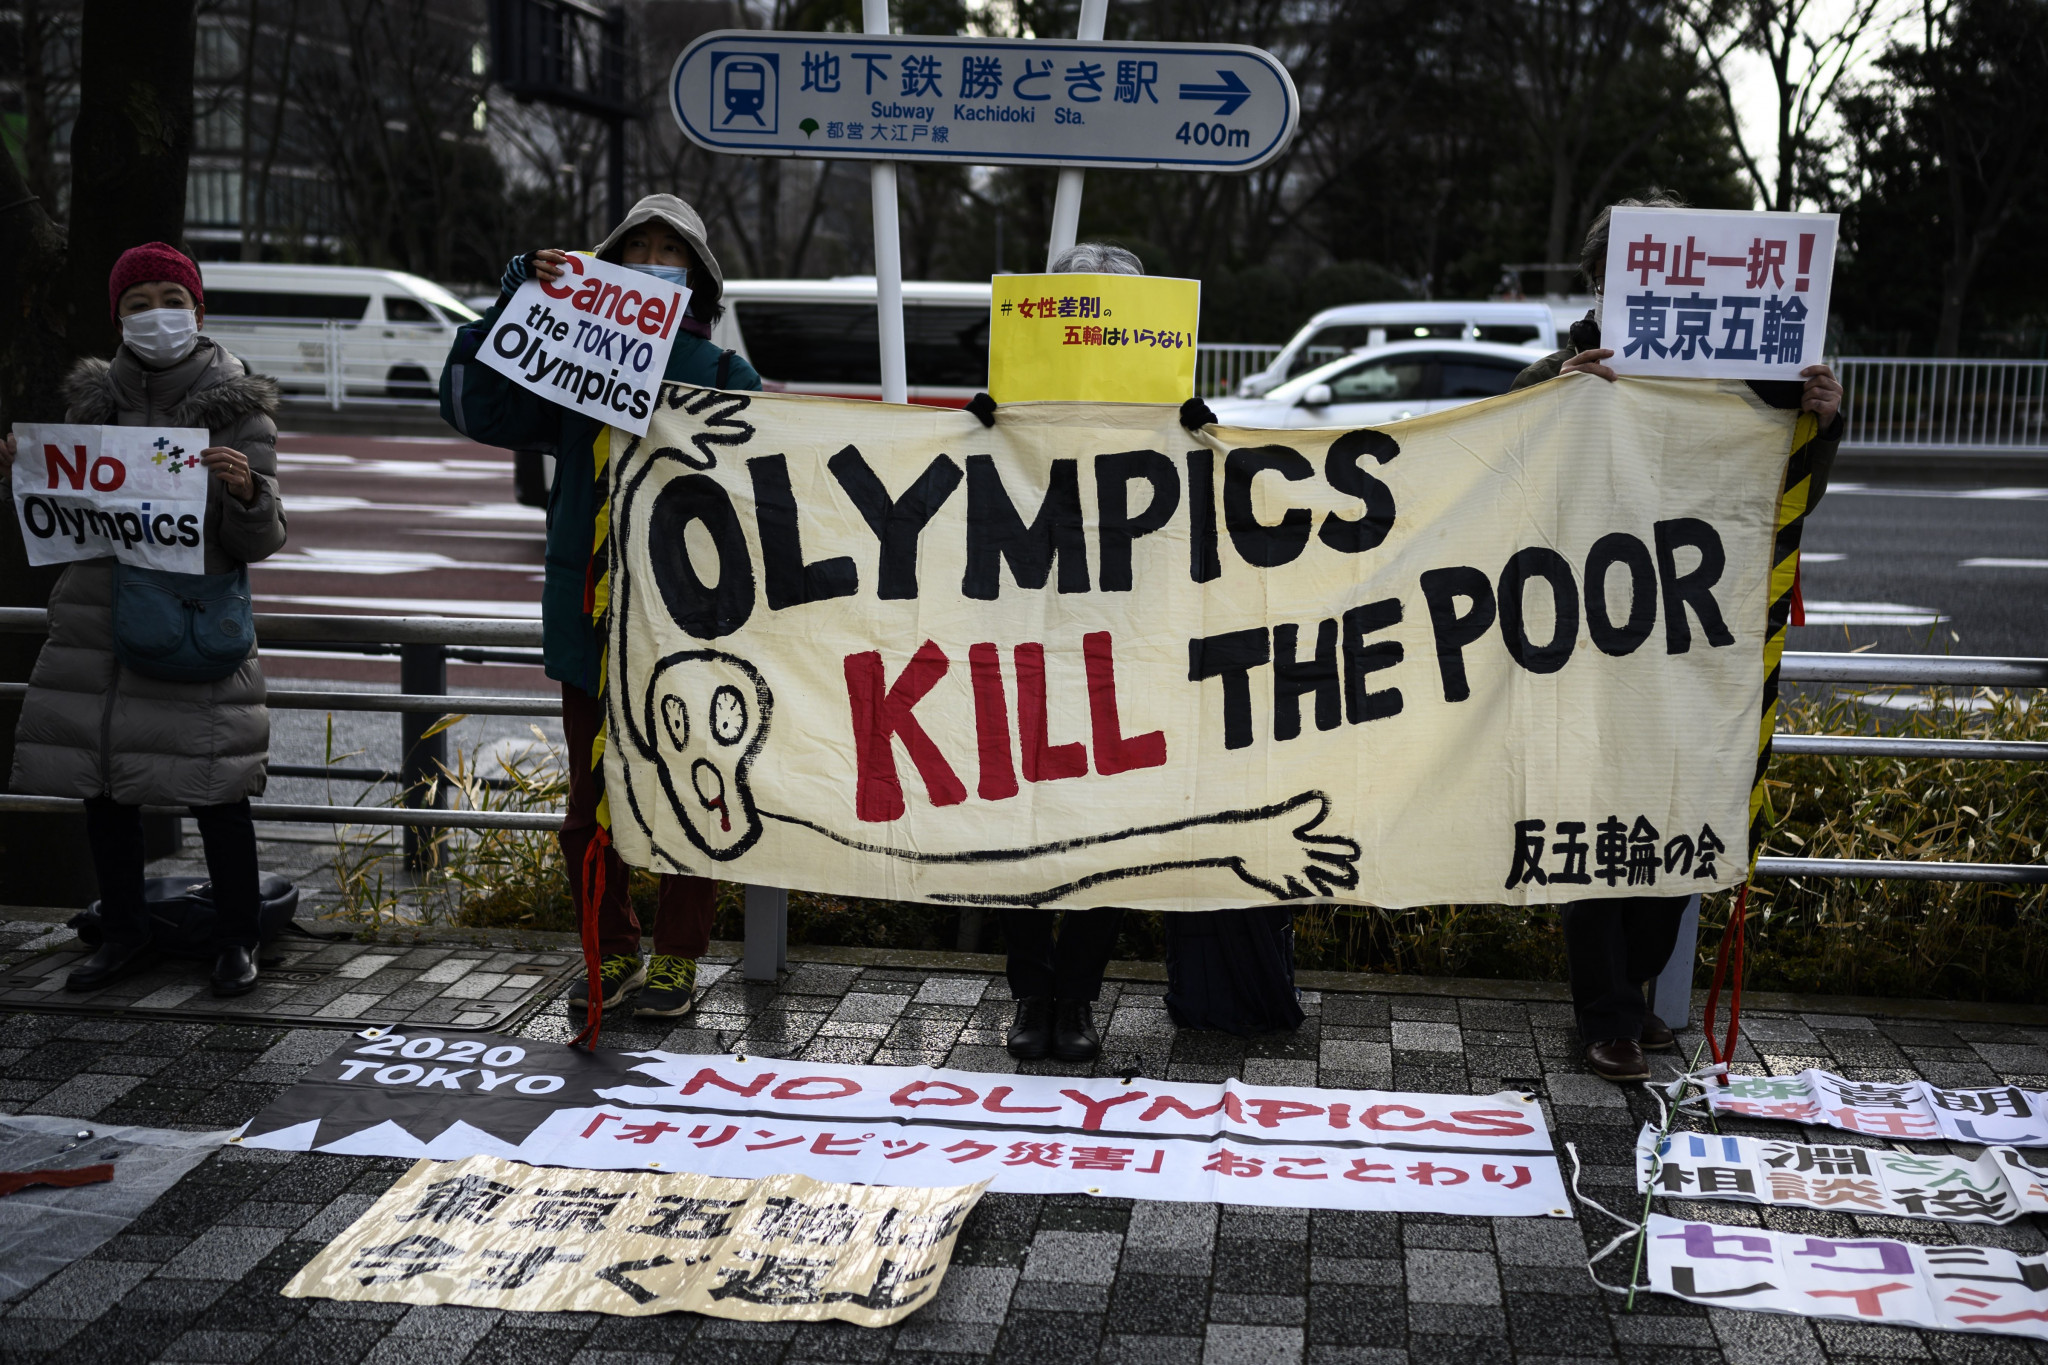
<point>989,101</point>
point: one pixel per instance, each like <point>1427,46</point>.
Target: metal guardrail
<point>425,644</point>
<point>337,363</point>
<point>1973,404</point>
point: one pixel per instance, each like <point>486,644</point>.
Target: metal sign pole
<point>888,249</point>
<point>1066,204</point>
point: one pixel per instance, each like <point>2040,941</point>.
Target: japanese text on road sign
<point>990,101</point>
<point>1715,294</point>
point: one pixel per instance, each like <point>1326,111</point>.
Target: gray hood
<point>684,220</point>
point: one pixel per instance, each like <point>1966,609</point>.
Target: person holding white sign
<point>662,237</point>
<point>1613,946</point>
<point>100,721</point>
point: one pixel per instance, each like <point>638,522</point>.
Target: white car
<point>334,332</point>
<point>1383,384</point>
<point>1537,325</point>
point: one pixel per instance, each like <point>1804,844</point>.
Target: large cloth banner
<point>1901,1284</point>
<point>499,1234</point>
<point>1994,1115</point>
<point>1997,1187</point>
<point>419,1095</point>
<point>1511,652</point>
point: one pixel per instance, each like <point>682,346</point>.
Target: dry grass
<point>1946,940</point>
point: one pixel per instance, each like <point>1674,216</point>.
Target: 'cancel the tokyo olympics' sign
<point>988,101</point>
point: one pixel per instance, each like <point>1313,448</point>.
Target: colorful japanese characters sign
<point>1996,1187</point>
<point>984,101</point>
<point>136,493</point>
<point>1900,1284</point>
<point>1994,1115</point>
<point>1092,338</point>
<point>445,1098</point>
<point>596,341</point>
<point>1715,294</point>
<point>1512,652</point>
<point>499,1234</point>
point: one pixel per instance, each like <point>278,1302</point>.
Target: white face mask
<point>673,274</point>
<point>161,336</point>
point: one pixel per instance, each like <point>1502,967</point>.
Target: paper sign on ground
<point>1088,657</point>
<point>595,341</point>
<point>499,1234</point>
<point>1717,294</point>
<point>1901,1284</point>
<point>1997,1187</point>
<point>1992,1115</point>
<point>1092,338</point>
<point>136,493</point>
<point>419,1095</point>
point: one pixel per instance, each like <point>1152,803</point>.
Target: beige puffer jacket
<point>88,726</point>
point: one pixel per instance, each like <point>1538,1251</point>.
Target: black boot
<point>112,961</point>
<point>234,970</point>
<point>1074,1038</point>
<point>1031,1031</point>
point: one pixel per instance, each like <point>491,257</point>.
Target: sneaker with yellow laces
<point>671,987</point>
<point>618,976</point>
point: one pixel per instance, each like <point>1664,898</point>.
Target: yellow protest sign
<point>1092,338</point>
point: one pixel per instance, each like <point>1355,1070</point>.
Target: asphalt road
<point>1913,570</point>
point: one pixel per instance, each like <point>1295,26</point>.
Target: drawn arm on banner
<point>703,716</point>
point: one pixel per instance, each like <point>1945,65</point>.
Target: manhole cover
<point>459,989</point>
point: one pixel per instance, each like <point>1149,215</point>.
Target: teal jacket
<point>486,406</point>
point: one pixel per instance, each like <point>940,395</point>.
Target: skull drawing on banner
<point>707,713</point>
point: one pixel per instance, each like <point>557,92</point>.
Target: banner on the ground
<point>1717,293</point>
<point>596,341</point>
<point>420,1095</point>
<point>1997,1187</point>
<point>1512,652</point>
<point>1092,338</point>
<point>1876,1279</point>
<point>1998,1115</point>
<point>501,1234</point>
<point>136,493</point>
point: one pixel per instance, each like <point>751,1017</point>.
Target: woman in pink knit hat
<point>93,728</point>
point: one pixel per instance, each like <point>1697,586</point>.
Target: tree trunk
<point>128,149</point>
<point>127,187</point>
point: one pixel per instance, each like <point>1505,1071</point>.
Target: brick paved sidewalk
<point>1036,1279</point>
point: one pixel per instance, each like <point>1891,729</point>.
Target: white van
<point>1338,331</point>
<point>818,336</point>
<point>331,331</point>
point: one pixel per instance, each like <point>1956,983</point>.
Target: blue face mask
<point>673,274</point>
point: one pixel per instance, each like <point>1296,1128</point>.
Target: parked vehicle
<point>819,336</point>
<point>1383,384</point>
<point>1336,331</point>
<point>388,330</point>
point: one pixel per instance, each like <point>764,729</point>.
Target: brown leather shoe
<point>1657,1035</point>
<point>1620,1059</point>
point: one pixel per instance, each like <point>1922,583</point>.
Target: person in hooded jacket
<point>1614,945</point>
<point>662,236</point>
<point>94,729</point>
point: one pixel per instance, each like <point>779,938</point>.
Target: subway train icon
<point>743,92</point>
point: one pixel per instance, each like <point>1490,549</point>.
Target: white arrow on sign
<point>987,101</point>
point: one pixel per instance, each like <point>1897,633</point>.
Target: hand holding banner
<point>595,341</point>
<point>136,493</point>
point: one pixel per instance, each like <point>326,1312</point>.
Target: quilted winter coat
<point>89,727</point>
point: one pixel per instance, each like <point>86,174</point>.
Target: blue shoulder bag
<point>182,627</point>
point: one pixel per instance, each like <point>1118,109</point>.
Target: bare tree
<point>1810,54</point>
